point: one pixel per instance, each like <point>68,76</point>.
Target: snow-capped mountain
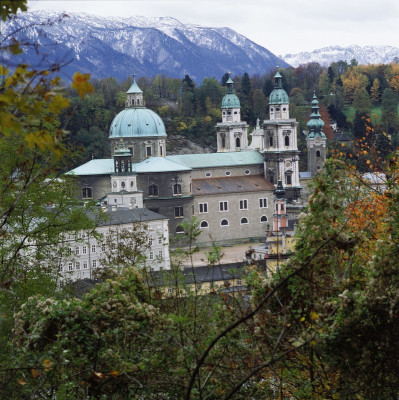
<point>328,55</point>
<point>149,46</point>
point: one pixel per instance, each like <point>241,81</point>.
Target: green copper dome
<point>230,100</point>
<point>278,95</point>
<point>137,122</point>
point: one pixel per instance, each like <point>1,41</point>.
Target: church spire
<point>315,124</point>
<point>134,95</point>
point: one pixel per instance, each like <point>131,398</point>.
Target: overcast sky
<point>281,26</point>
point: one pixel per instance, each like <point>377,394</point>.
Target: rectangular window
<point>160,240</point>
<point>223,206</point>
<point>77,265</point>
<point>263,203</point>
<point>160,253</point>
<point>103,247</point>
<point>94,263</point>
<point>148,151</point>
<point>93,248</point>
<point>203,208</point>
<point>84,250</point>
<point>70,266</point>
<point>85,265</point>
<point>178,212</point>
<point>288,179</point>
<point>177,189</point>
<point>243,204</point>
<point>87,193</point>
<point>77,252</point>
<point>151,255</point>
<point>150,241</point>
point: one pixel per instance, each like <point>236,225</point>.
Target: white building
<point>149,232</point>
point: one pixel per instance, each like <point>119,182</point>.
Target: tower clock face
<point>288,164</point>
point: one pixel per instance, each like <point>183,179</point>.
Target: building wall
<point>138,146</point>
<point>235,231</point>
<point>316,154</point>
<point>100,185</point>
<point>218,172</point>
<point>87,254</point>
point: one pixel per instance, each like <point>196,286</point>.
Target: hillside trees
<point>38,208</point>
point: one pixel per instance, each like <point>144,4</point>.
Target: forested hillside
<point>349,94</point>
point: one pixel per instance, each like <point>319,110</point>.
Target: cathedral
<point>229,192</point>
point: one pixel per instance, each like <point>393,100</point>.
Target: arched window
<point>176,189</point>
<point>271,141</point>
<point>179,230</point>
<point>318,153</point>
<point>244,220</point>
<point>223,142</point>
<point>263,218</point>
<point>224,222</point>
<point>287,140</point>
<point>153,190</point>
<point>238,142</point>
<point>204,224</point>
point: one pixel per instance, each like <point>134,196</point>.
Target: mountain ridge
<point>362,54</point>
<point>109,46</point>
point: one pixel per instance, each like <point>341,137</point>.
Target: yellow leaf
<point>314,315</point>
<point>81,84</point>
<point>35,373</point>
<point>57,104</point>
<point>47,364</point>
<point>302,319</point>
<point>21,382</point>
<point>114,373</point>
<point>99,375</point>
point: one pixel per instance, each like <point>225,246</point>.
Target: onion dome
<point>278,95</point>
<point>230,100</point>
<point>315,124</point>
<point>136,120</point>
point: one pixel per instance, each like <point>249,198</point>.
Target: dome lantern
<point>134,95</point>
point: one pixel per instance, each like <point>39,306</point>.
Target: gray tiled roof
<point>126,216</point>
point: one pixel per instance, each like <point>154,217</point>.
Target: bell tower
<point>280,150</point>
<point>315,139</point>
<point>231,132</point>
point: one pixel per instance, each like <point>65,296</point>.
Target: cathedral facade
<point>230,192</point>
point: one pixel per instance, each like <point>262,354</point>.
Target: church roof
<point>103,166</point>
<point>209,160</point>
<point>134,88</point>
<point>183,162</point>
<point>235,184</point>
<point>159,164</point>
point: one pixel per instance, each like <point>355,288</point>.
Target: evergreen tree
<point>375,91</point>
<point>361,101</point>
<point>245,84</point>
<point>389,107</point>
<point>224,79</point>
<point>188,83</point>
